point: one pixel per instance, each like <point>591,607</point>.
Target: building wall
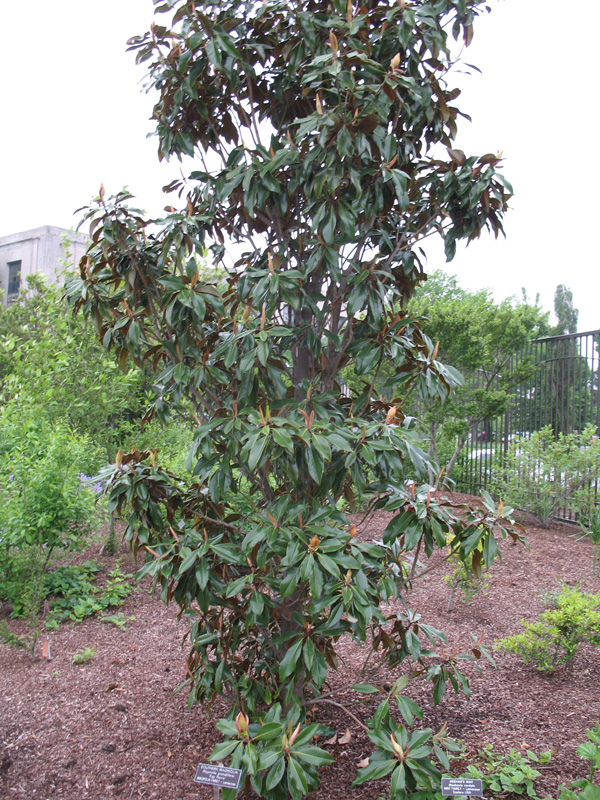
<point>45,250</point>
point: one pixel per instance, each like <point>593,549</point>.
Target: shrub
<point>44,501</point>
<point>543,474</point>
<point>74,597</point>
<point>553,640</point>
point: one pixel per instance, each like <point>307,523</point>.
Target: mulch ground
<point>114,726</point>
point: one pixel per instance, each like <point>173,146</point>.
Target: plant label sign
<point>216,775</point>
<point>462,787</point>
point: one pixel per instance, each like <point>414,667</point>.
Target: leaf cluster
<point>553,641</point>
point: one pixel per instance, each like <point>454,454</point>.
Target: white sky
<point>74,116</point>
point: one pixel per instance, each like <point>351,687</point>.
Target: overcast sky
<point>74,116</point>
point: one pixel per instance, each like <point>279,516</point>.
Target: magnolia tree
<point>322,133</point>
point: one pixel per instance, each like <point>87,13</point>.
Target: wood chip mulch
<point>113,727</point>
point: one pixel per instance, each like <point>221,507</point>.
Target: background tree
<point>49,359</point>
<point>318,128</point>
<point>479,338</point>
<point>564,364</point>
<point>566,313</point>
<point>57,380</point>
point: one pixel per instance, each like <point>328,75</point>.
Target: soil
<point>115,726</point>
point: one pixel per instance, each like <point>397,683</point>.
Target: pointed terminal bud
<point>397,749</point>
<point>395,62</point>
<point>314,542</point>
<point>294,734</point>
<point>241,724</point>
<point>390,415</point>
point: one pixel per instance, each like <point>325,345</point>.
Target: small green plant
<point>75,597</point>
<point>468,576</point>
<point>590,751</point>
<point>513,773</point>
<point>83,656</point>
<point>10,638</point>
<point>22,584</point>
<point>117,587</point>
<point>118,619</point>
<point>553,640</point>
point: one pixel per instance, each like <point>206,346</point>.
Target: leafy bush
<point>70,590</point>
<point>553,640</point>
<point>543,474</point>
<point>43,499</point>
<point>22,584</point>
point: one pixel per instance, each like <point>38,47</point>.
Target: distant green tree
<point>478,337</point>
<point>566,313</point>
<point>49,359</point>
<point>562,389</point>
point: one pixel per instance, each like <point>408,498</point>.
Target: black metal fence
<point>559,387</point>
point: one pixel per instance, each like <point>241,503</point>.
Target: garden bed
<point>113,727</point>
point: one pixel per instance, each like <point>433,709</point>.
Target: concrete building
<point>45,250</point>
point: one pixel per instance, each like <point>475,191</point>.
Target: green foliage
<point>544,473</point>
<point>405,755</point>
<point>277,754</point>
<point>49,361</point>
<point>84,656</point>
<point>42,498</point>
<point>22,584</point>
<point>478,337</point>
<point>319,128</point>
<point>70,589</point>
<point>566,314</point>
<point>466,575</point>
<point>74,596</point>
<point>590,751</point>
<point>119,620</point>
<point>591,529</point>
<point>553,640</point>
<point>10,638</point>
<point>506,775</point>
